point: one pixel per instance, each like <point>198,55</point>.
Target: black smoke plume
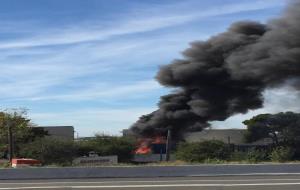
<point>226,74</point>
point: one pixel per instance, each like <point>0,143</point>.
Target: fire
<point>159,140</point>
<point>143,150</point>
<point>143,147</point>
<point>145,144</point>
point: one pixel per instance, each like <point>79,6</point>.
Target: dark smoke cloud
<point>226,74</point>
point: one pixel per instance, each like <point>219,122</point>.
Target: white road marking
<point>146,181</point>
<point>154,186</point>
<point>245,174</point>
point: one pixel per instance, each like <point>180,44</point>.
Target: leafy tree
<point>257,128</point>
<point>282,128</point>
<point>105,145</point>
<point>201,151</point>
<point>23,131</point>
<point>50,151</point>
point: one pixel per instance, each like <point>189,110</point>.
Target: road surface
<point>147,171</point>
<point>238,182</point>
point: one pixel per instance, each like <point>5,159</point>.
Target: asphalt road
<point>253,182</point>
<point>147,171</point>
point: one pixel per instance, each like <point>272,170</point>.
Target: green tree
<point>105,145</point>
<point>282,128</point>
<point>23,131</point>
<point>201,151</point>
<point>50,151</point>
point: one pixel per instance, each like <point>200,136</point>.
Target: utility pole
<point>168,145</point>
<point>10,141</point>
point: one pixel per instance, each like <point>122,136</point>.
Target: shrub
<point>255,156</point>
<point>239,156</point>
<point>201,151</point>
<point>83,147</point>
<point>108,145</point>
<point>282,154</point>
<point>214,161</point>
<point>4,164</point>
<point>50,151</point>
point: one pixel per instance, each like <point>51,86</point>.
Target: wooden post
<point>10,141</point>
<point>228,140</point>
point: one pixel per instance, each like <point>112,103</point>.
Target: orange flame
<point>143,150</point>
<point>144,146</point>
<point>159,140</point>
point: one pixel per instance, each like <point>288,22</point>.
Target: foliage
<point>4,164</point>
<point>57,151</point>
<point>23,131</point>
<point>255,156</point>
<point>201,151</point>
<point>84,147</point>
<point>50,151</point>
<point>282,154</point>
<point>238,156</point>
<point>282,128</point>
<point>18,124</point>
<point>256,128</point>
<point>105,145</point>
<point>214,161</point>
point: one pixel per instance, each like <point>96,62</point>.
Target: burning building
<point>226,75</point>
<point>153,150</point>
<point>155,145</point>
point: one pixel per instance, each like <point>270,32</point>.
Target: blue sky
<point>91,63</point>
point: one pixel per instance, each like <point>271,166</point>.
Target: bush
<point>4,164</point>
<point>201,151</point>
<point>84,147</point>
<point>214,161</point>
<point>108,145</point>
<point>282,154</point>
<point>239,156</point>
<point>62,152</point>
<point>296,148</point>
<point>50,151</point>
<point>255,156</point>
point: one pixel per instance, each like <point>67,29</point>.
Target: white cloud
<point>33,71</point>
<point>33,75</point>
<point>143,22</point>
<point>28,72</point>
<point>276,100</point>
<point>87,122</point>
<point>90,120</point>
<point>39,70</point>
<point>106,92</point>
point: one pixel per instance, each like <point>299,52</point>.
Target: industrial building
<point>62,132</point>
